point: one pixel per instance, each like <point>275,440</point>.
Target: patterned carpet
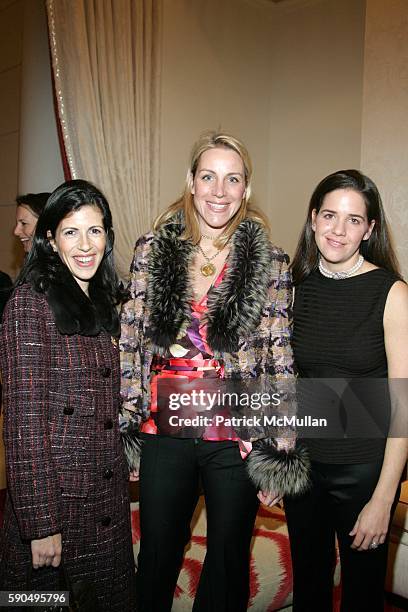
<point>392,605</point>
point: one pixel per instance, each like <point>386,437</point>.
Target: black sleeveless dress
<point>338,333</point>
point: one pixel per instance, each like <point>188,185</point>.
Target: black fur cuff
<point>132,446</point>
<point>270,469</point>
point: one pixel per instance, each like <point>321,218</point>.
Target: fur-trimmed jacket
<point>66,472</point>
<point>248,329</point>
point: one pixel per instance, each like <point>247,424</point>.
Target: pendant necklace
<point>208,268</point>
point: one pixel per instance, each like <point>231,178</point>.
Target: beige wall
<point>40,166</point>
<point>385,112</point>
<point>215,75</point>
<point>29,150</point>
<point>287,79</point>
<point>316,71</point>
<point>10,77</point>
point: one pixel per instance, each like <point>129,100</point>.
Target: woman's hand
<point>269,498</point>
<point>371,527</point>
<point>134,475</point>
<point>46,551</point>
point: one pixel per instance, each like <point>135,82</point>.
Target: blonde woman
<point>208,285</point>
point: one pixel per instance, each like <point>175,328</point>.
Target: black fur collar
<point>234,307</point>
<point>75,313</point>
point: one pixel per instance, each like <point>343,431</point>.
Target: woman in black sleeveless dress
<point>350,322</point>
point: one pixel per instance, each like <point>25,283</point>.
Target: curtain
<point>106,57</point>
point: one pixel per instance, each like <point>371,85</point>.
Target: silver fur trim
<point>287,473</point>
<point>132,446</point>
<point>234,307</point>
<point>168,289</point>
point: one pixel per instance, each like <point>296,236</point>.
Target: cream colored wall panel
<point>288,82</point>
<point>215,76</point>
<point>6,3</point>
<point>10,251</point>
<point>10,60</point>
<point>8,167</point>
<point>10,100</point>
<point>316,72</point>
<point>10,35</point>
<point>40,166</point>
<point>385,126</point>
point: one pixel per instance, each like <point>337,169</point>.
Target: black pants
<point>170,473</point>
<point>331,507</point>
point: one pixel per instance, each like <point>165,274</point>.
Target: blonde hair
<point>213,140</point>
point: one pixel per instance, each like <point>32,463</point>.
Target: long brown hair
<point>212,140</point>
<point>378,249</point>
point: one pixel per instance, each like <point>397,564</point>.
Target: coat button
<point>106,521</point>
<point>104,371</point>
<point>68,410</point>
<point>108,424</point>
<point>108,474</point>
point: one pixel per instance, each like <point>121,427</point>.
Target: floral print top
<point>191,358</point>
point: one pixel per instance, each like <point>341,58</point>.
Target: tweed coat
<point>5,290</point>
<point>248,327</point>
<point>65,466</point>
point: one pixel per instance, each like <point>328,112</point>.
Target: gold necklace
<point>208,268</point>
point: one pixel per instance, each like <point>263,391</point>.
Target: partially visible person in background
<point>5,289</point>
<point>29,208</point>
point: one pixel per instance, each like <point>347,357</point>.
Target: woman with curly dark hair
<point>67,480</point>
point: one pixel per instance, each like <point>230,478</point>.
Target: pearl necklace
<point>341,275</point>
